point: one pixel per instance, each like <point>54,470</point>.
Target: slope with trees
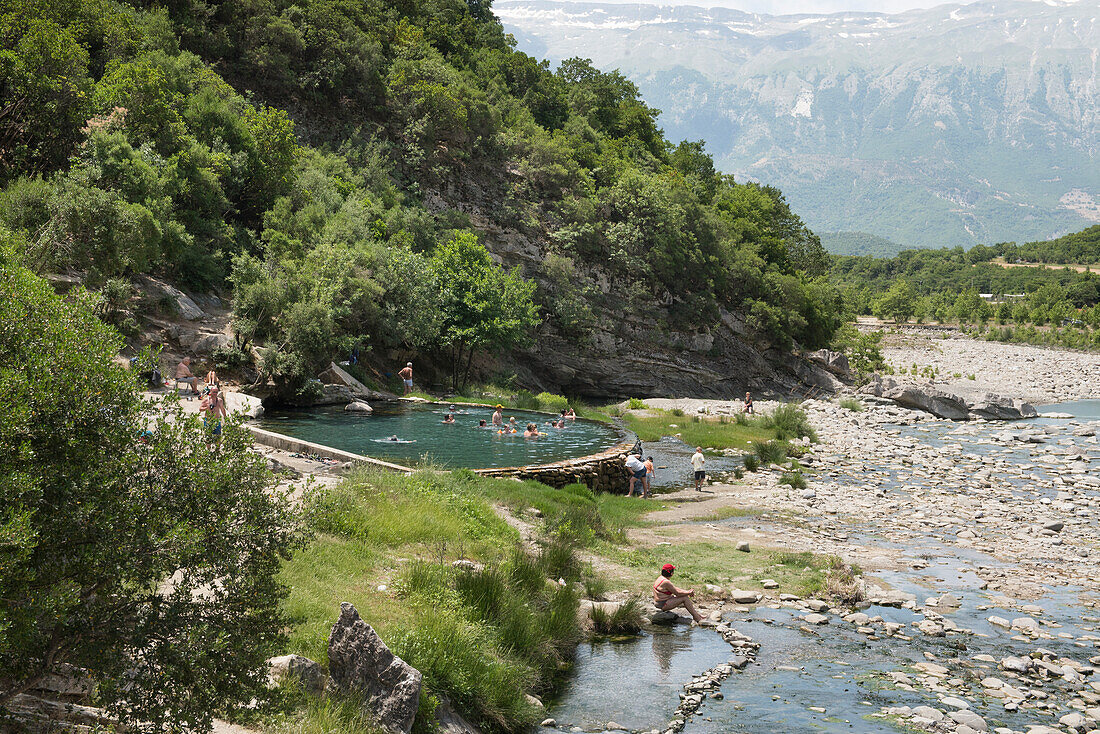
<point>267,148</point>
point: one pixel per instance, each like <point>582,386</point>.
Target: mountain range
<point>955,125</point>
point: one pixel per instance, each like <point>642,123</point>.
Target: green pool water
<point>423,438</point>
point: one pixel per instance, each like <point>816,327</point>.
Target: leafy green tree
<point>483,306</point>
<point>898,303</point>
<point>44,95</point>
<point>132,542</point>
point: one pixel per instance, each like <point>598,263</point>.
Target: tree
<point>483,306</point>
<point>898,303</point>
<point>132,544</point>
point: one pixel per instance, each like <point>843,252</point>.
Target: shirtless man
<point>184,375</point>
<point>498,416</point>
<point>406,375</point>
<point>667,597</point>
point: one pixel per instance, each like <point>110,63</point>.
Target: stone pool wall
<point>602,472</point>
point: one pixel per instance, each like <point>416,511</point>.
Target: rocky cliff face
<point>628,354</point>
<point>948,126</point>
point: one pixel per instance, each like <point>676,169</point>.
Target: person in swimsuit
<point>649,474</point>
<point>667,597</point>
<point>449,419</point>
<point>498,416</point>
<point>213,408</point>
<point>571,414</point>
<point>406,375</point>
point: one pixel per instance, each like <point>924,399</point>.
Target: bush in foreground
<point>132,543</point>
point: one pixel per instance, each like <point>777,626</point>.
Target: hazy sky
<point>783,7</point>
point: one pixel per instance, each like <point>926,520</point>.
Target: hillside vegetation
<point>333,165</point>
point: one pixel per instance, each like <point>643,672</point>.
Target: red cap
<point>668,567</point>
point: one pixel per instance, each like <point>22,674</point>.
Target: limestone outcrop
<point>360,662</point>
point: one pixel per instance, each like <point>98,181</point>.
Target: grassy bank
<point>385,543</point>
<point>485,637</point>
<point>719,431</point>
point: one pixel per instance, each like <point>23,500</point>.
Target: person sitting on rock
<point>666,596</point>
<point>748,404</point>
<point>185,376</point>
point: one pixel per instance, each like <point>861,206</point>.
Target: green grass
<point>702,562</point>
<point>793,479</point>
<point>770,452</point>
<point>706,432</point>
<point>626,619</point>
<point>725,513</point>
<point>484,639</point>
<point>788,421</point>
<point>851,404</point>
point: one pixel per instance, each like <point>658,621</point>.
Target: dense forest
<point>332,164</point>
<point>1006,285</point>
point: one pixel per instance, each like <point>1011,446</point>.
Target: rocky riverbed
<point>981,556</point>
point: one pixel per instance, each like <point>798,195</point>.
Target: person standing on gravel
<point>636,469</point>
<point>698,461</point>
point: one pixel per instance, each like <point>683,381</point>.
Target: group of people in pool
<point>509,427</point>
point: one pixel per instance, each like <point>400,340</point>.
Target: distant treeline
<point>1054,305</point>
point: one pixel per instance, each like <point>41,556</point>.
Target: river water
<point>834,678</point>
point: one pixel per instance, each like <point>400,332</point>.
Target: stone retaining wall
<point>289,443</point>
<point>602,472</point>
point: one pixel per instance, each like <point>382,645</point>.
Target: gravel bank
<point>1035,374</point>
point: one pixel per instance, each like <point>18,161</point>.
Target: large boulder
<point>360,662</point>
<point>939,403</point>
<point>835,362</point>
<point>179,301</point>
<point>250,406</point>
<point>306,672</point>
<point>337,375</point>
<point>994,407</point>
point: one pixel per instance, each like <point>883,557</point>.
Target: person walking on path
<point>666,596</point>
<point>406,375</point>
<point>698,461</point>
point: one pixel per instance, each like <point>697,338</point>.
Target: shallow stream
<point>833,678</point>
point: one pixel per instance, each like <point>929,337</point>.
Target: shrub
<point>678,412</point>
<point>741,419</point>
<point>551,402</point>
<point>558,560</point>
<point>738,473</point>
<point>843,586</point>
<point>636,404</point>
<point>595,586</point>
<point>789,421</point>
<point>751,462</point>
<point>793,479</point>
<point>525,400</point>
<point>770,452</point>
<point>230,359</point>
<point>625,619</point>
<point>851,404</point>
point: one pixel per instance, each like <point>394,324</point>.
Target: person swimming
<point>532,431</point>
<point>481,424</point>
<point>449,419</point>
